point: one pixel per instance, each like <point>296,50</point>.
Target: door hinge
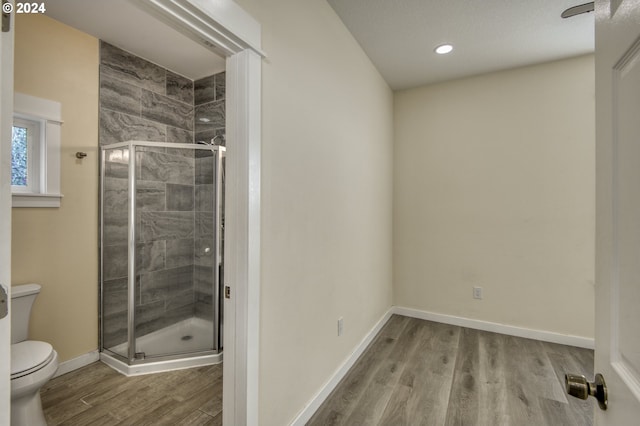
<point>227,292</point>
<point>4,302</point>
<point>7,8</point>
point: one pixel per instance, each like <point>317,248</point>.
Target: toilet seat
<point>29,356</point>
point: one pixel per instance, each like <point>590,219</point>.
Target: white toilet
<point>33,363</point>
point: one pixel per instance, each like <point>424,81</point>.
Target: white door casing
<point>617,354</point>
<point>6,120</point>
<point>235,35</point>
<point>242,251</point>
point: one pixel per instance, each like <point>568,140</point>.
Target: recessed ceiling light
<point>204,119</point>
<point>443,49</point>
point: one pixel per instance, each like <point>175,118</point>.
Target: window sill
<point>36,200</point>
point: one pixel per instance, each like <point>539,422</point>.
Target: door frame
<point>6,121</point>
<point>234,34</point>
<point>242,241</point>
<point>242,223</point>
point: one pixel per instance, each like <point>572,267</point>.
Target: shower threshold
<point>176,341</point>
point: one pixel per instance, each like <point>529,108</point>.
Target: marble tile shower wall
<point>142,101</point>
<point>209,97</point>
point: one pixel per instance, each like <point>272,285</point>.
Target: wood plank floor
<point>419,372</point>
<point>98,395</point>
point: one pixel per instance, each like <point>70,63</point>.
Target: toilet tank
<point>22,298</point>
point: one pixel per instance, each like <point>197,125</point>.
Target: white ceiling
<point>123,24</point>
<point>398,35</point>
<point>488,35</point>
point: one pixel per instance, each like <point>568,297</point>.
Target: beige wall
<point>58,247</point>
<point>326,200</point>
<point>494,187</point>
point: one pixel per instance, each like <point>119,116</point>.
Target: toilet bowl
<point>33,363</point>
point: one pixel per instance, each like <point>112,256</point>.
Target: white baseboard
<point>315,402</point>
<point>546,336</point>
<point>77,362</point>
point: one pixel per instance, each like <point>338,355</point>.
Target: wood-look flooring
<point>415,372</point>
<point>97,395</point>
<point>419,372</point>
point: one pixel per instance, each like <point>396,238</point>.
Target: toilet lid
<point>29,355</point>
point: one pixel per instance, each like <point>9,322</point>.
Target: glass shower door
<point>176,250</point>
<point>114,253</point>
<point>162,210</point>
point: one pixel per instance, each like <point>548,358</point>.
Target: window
<point>35,152</point>
<point>26,145</point>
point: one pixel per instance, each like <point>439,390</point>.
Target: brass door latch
<point>578,386</point>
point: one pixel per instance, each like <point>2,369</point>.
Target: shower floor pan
<point>178,340</point>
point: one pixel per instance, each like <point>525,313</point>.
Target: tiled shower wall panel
<point>142,101</point>
<point>209,101</point>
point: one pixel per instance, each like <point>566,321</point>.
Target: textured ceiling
<point>488,35</point>
<point>123,24</point>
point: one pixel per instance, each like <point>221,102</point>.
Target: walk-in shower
<point>162,231</point>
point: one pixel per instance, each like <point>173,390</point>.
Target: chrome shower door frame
<point>131,359</point>
<point>218,267</point>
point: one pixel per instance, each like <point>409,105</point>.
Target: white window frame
<point>44,167</point>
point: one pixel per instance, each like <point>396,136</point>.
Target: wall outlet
<point>340,326</point>
<point>477,292</point>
